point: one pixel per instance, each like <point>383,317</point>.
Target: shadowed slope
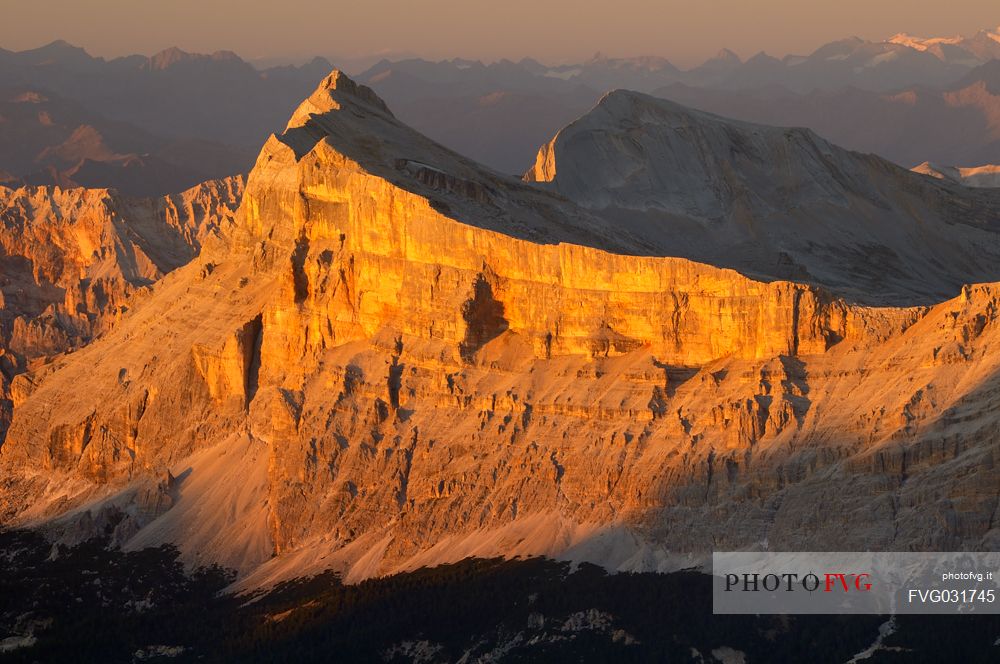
<point>773,202</point>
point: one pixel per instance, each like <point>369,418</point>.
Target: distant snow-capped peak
<point>983,46</point>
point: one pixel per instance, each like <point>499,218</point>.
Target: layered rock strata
<point>72,260</point>
<point>396,358</point>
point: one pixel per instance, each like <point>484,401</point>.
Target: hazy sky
<point>550,30</point>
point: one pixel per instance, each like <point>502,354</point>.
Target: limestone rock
<point>71,261</point>
<point>395,357</point>
<point>775,202</point>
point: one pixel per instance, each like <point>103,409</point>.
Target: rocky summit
<point>661,344</point>
<point>773,202</point>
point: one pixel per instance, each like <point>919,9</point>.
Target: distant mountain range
<point>143,125</point>
<point>158,124</point>
<point>979,48</point>
<point>871,96</point>
<point>955,124</point>
<point>48,140</point>
<point>891,64</point>
<point>216,97</point>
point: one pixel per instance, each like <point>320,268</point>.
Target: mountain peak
<point>725,55</point>
<point>168,57</point>
<point>628,106</point>
<point>59,45</point>
<point>762,57</point>
<point>330,94</point>
<point>615,99</point>
<point>724,60</point>
<point>635,156</point>
<point>318,61</point>
<point>225,55</point>
<point>59,50</point>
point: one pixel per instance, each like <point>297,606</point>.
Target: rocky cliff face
<point>396,357</point>
<point>73,259</point>
<point>774,202</point>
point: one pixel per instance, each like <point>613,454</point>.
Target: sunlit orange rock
<point>395,357</point>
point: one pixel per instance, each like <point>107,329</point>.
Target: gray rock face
<point>772,202</point>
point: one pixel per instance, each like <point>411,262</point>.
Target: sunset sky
<point>687,32</point>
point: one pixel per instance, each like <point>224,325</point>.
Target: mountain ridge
<point>394,375</point>
<point>730,193</point>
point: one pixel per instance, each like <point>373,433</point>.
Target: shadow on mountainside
<point>144,605</point>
